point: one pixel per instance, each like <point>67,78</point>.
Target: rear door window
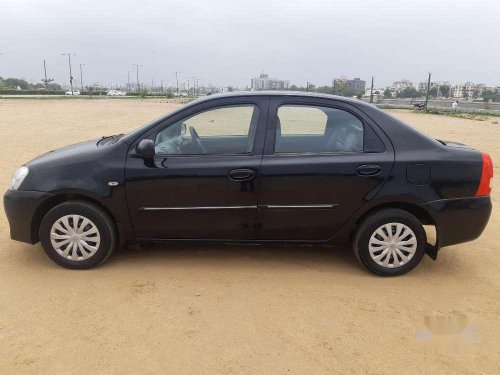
<point>317,129</point>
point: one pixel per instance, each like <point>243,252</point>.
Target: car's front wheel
<point>77,235</point>
<point>390,242</point>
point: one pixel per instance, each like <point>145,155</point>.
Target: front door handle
<point>368,170</point>
<point>242,174</point>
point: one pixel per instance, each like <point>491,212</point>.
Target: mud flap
<point>432,250</point>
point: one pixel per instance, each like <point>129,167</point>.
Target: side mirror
<point>146,149</point>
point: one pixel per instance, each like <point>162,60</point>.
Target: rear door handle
<point>368,170</point>
<point>242,174</point>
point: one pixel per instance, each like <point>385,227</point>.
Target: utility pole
<point>177,82</point>
<point>137,75</point>
<point>334,82</point>
<point>198,86</point>
<point>307,87</point>
<point>46,80</point>
<point>70,73</point>
<point>194,87</point>
<point>81,76</point>
<point>128,79</point>
<point>428,89</point>
<point>371,92</point>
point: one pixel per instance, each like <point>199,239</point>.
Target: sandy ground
<point>233,309</point>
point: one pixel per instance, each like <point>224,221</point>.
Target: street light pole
<point>70,73</point>
<point>81,76</point>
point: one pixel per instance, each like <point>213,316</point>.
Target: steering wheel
<point>196,138</point>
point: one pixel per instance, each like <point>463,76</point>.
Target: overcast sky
<point>230,41</point>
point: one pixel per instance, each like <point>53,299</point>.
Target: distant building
<point>352,86</point>
<point>400,86</point>
<point>468,90</point>
<point>356,85</point>
<point>263,82</point>
<point>422,86</point>
<point>379,91</point>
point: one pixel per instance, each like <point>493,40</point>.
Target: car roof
<point>242,94</point>
<point>278,94</point>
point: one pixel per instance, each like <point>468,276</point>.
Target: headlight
<point>18,177</point>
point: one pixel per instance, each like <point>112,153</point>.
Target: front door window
<point>222,130</point>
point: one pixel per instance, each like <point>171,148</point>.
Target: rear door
<point>322,161</point>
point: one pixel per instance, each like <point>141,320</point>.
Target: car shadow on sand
<point>340,260</point>
<point>238,255</point>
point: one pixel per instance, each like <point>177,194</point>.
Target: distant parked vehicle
<point>116,93</point>
<point>75,92</point>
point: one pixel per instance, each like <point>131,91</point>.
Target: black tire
<point>97,216</point>
<point>375,221</point>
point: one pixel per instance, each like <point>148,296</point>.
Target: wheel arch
<point>416,210</point>
<point>53,201</point>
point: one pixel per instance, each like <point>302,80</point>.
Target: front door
<point>202,183</point>
<point>321,163</point>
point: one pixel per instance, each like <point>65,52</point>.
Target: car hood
<point>82,166</point>
<point>78,150</point>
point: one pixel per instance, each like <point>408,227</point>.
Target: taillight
<point>486,176</point>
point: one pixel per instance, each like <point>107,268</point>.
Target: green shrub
<point>30,92</point>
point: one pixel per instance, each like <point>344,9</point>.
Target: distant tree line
<point>342,90</point>
<point>412,92</point>
<point>488,95</point>
<point>14,83</point>
<point>339,89</point>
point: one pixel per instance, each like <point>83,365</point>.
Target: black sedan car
<point>256,167</point>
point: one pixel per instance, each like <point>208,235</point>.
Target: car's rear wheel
<point>390,242</point>
<point>77,235</point>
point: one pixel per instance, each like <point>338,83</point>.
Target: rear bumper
<point>459,220</point>
<point>20,208</point>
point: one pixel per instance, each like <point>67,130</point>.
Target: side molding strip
<point>270,206</point>
<point>305,206</point>
<point>196,208</point>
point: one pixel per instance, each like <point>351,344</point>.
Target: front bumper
<point>459,220</point>
<point>21,208</point>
